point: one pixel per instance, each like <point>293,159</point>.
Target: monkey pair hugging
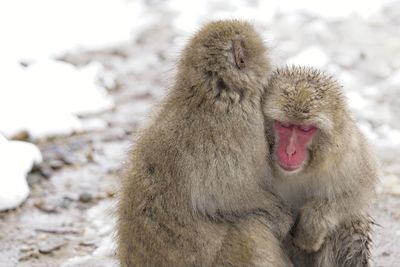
<point>246,166</point>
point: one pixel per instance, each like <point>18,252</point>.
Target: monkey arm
<point>268,209</point>
<point>319,216</point>
<point>312,226</point>
<point>349,245</point>
<point>277,215</point>
<point>249,243</point>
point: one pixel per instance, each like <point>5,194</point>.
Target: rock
<point>28,254</point>
<point>85,197</point>
<point>45,206</point>
<point>90,155</point>
<point>57,230</point>
<point>49,246</point>
<point>56,164</point>
<point>34,179</point>
<point>65,202</point>
<point>89,243</point>
<point>21,136</point>
<point>46,171</point>
<point>67,159</point>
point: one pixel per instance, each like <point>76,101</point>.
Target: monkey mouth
<point>289,168</point>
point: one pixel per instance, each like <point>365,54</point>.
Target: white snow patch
<point>103,256</point>
<point>389,137</point>
<point>312,56</point>
<point>17,159</point>
<point>43,28</point>
<point>46,97</point>
<point>356,101</point>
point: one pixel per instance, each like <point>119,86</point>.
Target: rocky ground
<point>68,218</point>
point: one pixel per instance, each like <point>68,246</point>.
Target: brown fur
<point>195,188</point>
<point>348,245</point>
<point>331,192</point>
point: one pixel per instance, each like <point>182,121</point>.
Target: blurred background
<point>77,79</point>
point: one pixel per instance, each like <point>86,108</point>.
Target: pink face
<point>292,143</point>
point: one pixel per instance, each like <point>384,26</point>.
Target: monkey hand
<point>309,233</point>
<point>284,223</point>
<point>280,222</point>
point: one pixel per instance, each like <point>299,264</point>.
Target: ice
<point>16,160</point>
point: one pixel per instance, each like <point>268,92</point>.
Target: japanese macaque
<point>196,188</point>
<point>323,167</point>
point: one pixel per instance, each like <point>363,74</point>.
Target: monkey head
<point>225,55</point>
<point>305,112</point>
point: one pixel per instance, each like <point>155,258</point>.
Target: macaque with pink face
<point>293,140</point>
<point>322,167</point>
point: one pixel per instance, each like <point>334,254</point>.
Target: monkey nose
<point>290,150</point>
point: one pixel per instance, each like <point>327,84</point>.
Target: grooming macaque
<point>322,166</point>
<point>195,191</point>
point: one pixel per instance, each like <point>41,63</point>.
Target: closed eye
<point>285,124</point>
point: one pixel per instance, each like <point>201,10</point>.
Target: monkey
<point>196,187</point>
<point>323,168</point>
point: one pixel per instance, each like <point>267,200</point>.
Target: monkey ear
<point>239,53</point>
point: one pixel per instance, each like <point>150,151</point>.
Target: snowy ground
<point>92,78</point>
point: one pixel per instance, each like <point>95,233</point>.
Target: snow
<point>311,56</point>
<point>43,28</point>
<point>101,225</point>
<point>46,97</point>
<point>191,14</point>
<point>17,159</point>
